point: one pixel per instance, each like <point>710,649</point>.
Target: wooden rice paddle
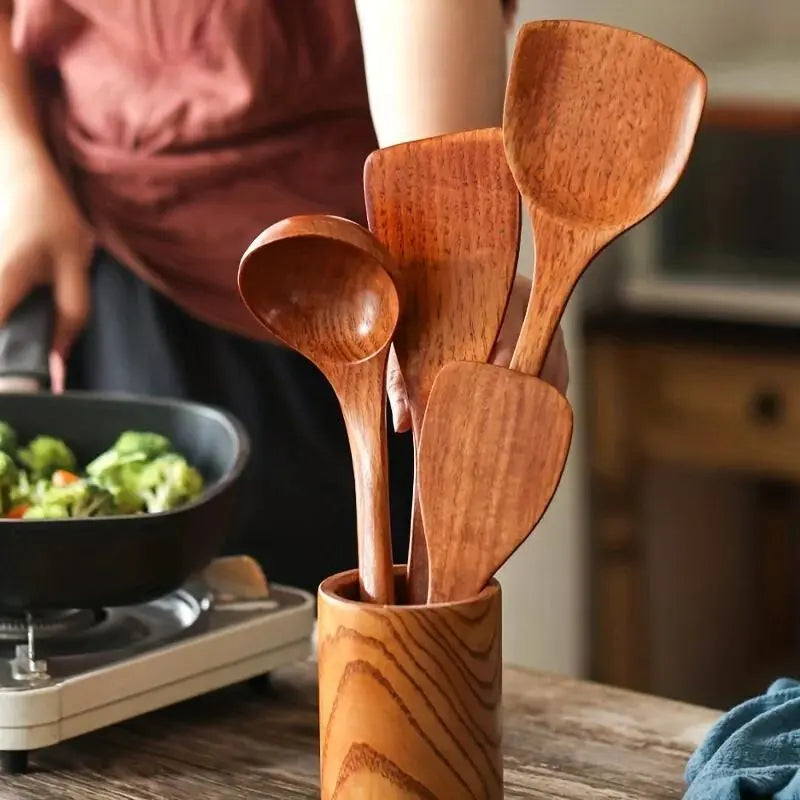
<point>493,447</point>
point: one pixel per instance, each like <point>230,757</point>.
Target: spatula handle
<point>417,571</point>
<point>561,254</point>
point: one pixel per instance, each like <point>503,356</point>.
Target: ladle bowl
<point>316,280</point>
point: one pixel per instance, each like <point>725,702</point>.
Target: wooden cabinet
<point>724,397</point>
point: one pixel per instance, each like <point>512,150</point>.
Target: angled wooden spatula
<point>599,123</point>
<point>448,211</point>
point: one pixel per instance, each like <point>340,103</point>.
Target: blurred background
<point>668,561</point>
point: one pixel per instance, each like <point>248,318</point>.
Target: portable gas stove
<point>66,673</point>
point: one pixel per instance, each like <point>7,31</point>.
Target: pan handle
<point>26,337</point>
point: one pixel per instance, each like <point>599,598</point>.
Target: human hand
<point>43,241</point>
<point>555,370</point>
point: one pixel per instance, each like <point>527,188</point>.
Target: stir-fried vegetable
<point>9,477</point>
<point>168,481</point>
<point>44,455</point>
<point>8,439</point>
<point>140,473</point>
<point>150,445</point>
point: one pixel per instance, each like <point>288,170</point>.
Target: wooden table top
<point>562,739</point>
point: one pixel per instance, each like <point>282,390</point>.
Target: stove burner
<point>71,641</point>
<point>49,624</point>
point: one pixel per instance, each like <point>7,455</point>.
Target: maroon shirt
<point>188,126</point>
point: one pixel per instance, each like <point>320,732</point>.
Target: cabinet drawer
<point>721,408</point>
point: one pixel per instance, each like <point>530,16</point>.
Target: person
<point>145,143</point>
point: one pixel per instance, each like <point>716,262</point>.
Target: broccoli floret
<point>119,475</point>
<point>8,470</point>
<point>151,445</point>
<point>22,490</point>
<point>126,500</point>
<point>80,499</point>
<point>8,439</point>
<point>111,461</point>
<point>9,476</point>
<point>46,512</point>
<point>119,467</point>
<point>44,455</point>
<point>168,482</point>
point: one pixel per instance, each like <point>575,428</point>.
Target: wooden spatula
<point>448,211</point>
<point>598,125</point>
<point>493,447</point>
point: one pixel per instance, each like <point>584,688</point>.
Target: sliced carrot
<point>18,511</point>
<point>63,477</point>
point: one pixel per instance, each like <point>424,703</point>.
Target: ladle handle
<point>562,252</point>
<point>363,400</point>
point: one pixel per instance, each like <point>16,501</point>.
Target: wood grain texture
<point>493,448</point>
<point>598,124</point>
<point>319,284</point>
<point>448,210</point>
<point>562,739</point>
<point>410,697</point>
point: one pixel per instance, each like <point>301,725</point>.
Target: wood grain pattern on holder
<point>319,284</point>
<point>493,447</point>
<point>448,210</point>
<point>598,125</point>
<point>410,697</point>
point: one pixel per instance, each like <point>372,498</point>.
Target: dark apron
<point>297,509</point>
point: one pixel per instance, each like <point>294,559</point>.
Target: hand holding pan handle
<point>26,337</point>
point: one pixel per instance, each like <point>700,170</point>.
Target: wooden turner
<point>493,447</point>
<point>448,211</point>
<point>598,124</point>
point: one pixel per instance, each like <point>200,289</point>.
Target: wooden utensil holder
<point>409,696</point>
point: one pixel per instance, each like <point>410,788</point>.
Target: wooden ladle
<point>493,447</point>
<point>448,211</point>
<point>598,126</point>
<point>319,284</point>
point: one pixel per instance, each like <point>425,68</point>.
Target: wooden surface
<point>718,397</point>
<point>493,448</point>
<point>448,210</point>
<point>320,285</point>
<point>563,740</point>
<point>598,126</point>
<point>410,696</point>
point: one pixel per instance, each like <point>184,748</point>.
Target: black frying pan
<point>110,561</point>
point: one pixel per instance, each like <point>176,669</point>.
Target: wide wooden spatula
<point>492,450</point>
<point>448,211</point>
<point>598,126</point>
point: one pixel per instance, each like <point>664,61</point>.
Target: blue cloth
<point>753,751</point>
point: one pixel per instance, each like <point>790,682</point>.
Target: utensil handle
<point>363,403</point>
<point>26,339</point>
<point>561,254</point>
<point>417,569</point>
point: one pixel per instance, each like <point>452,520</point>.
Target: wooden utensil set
<point>598,126</point>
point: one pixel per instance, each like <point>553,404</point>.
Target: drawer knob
<point>767,407</point>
